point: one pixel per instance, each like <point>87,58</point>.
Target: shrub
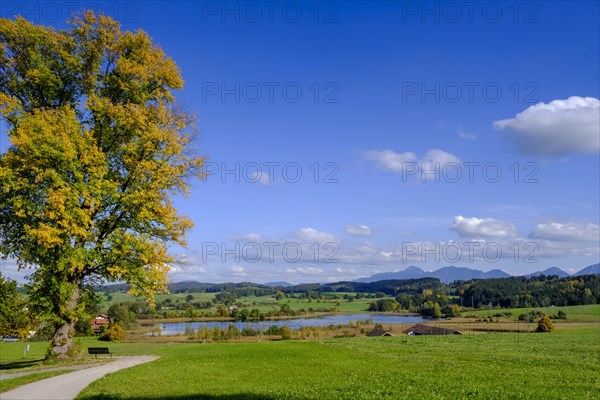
<point>115,333</point>
<point>248,331</point>
<point>545,325</point>
<point>286,333</point>
<point>83,328</point>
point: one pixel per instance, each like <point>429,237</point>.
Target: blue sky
<point>372,95</point>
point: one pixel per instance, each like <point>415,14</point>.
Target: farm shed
<point>378,333</point>
<point>421,329</point>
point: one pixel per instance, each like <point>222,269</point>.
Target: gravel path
<point>4,376</point>
<point>68,386</point>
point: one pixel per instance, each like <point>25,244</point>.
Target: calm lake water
<point>176,328</point>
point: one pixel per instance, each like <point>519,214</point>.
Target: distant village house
<point>99,322</point>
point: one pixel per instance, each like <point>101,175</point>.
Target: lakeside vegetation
<point>428,297</point>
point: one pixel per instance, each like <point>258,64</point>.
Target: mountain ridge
<point>453,273</point>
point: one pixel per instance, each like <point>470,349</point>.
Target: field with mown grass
<point>586,313</point>
<point>559,365</point>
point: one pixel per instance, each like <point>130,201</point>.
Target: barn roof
<point>421,329</point>
<point>378,332</point>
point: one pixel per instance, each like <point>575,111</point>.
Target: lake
<point>177,328</point>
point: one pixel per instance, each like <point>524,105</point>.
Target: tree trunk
<point>63,337</point>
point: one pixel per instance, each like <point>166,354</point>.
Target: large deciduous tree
<point>97,150</point>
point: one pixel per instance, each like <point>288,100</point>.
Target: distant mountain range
<point>445,275</point>
<point>452,273</point>
<point>552,271</point>
<point>591,270</point>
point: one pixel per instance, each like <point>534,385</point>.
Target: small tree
<point>13,318</point>
<point>286,333</point>
<point>545,325</point>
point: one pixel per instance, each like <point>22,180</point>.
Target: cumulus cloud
<point>466,135</point>
<point>238,270</point>
<point>436,159</point>
<point>305,270</point>
<point>555,129</point>
<point>389,160</point>
<point>175,268</point>
<point>313,235</point>
<point>566,231</point>
<point>260,177</point>
<point>483,228</point>
<point>409,163</point>
<point>10,269</point>
<point>358,230</point>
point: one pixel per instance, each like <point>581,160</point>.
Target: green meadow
<point>562,365</point>
<point>586,313</point>
<point>263,303</point>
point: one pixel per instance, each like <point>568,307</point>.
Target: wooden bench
<point>99,350</point>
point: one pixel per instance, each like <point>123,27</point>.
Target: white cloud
<point>483,227</point>
<point>430,165</point>
<point>238,270</point>
<point>175,268</point>
<point>304,270</point>
<point>358,230</point>
<point>437,159</point>
<point>389,160</point>
<point>466,135</point>
<point>557,128</point>
<point>10,269</point>
<point>566,231</point>
<point>260,177</point>
<point>313,235</point>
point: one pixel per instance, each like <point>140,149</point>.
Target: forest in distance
<point>425,296</point>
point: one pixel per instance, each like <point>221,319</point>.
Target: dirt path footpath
<point>4,376</point>
<point>68,386</point>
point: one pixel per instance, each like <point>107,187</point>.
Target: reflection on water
<point>176,328</point>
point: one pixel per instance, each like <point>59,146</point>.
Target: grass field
<point>118,297</point>
<point>263,303</point>
<point>587,313</point>
<point>493,366</point>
